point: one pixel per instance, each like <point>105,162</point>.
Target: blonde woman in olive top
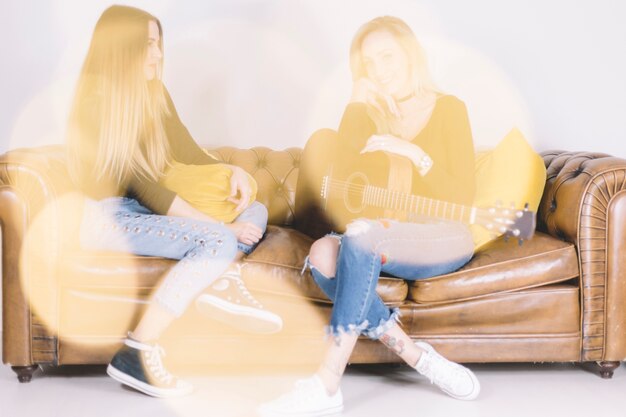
<point>396,109</point>
<point>123,135</point>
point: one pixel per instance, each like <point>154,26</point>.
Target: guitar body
<point>349,180</point>
<point>317,216</point>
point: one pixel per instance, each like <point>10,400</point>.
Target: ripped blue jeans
<point>409,251</point>
<point>204,250</point>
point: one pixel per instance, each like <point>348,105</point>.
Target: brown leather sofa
<point>561,297</point>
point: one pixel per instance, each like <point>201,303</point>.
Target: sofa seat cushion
<point>112,270</point>
<point>499,267</point>
<point>275,267</point>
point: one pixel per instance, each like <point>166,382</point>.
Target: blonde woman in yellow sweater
<point>395,109</point>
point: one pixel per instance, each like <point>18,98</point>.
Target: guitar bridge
<point>324,190</point>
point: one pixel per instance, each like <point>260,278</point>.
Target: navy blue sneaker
<point>139,365</point>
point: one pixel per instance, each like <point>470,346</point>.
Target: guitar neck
<point>387,199</point>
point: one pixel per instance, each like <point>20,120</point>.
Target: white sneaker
<point>229,301</point>
<point>454,379</point>
<point>308,398</point>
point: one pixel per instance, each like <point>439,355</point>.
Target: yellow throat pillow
<point>511,172</point>
<point>206,187</point>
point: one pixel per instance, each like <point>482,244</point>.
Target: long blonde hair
<point>115,101</point>
<point>402,33</point>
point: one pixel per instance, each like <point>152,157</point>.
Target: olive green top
<point>446,138</point>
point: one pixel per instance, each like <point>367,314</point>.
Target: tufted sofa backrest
<point>276,173</point>
<point>39,176</point>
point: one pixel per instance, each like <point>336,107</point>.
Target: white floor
<point>508,390</point>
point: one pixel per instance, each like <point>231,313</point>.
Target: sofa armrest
<point>15,308</point>
<point>31,182</point>
<point>584,202</point>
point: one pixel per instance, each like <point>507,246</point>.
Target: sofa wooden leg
<point>25,373</point>
<point>606,368</point>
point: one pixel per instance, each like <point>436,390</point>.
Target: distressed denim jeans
<point>204,250</point>
<point>408,251</point>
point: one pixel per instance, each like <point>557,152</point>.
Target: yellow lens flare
<point>90,300</point>
<point>65,285</point>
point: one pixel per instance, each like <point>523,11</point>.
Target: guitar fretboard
<point>394,200</point>
<point>356,196</point>
<point>383,198</point>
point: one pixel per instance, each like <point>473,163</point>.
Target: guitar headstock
<point>511,222</point>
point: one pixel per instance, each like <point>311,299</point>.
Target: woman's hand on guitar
<point>392,144</point>
<point>365,91</point>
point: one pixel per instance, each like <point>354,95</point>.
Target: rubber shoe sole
<point>147,389</point>
<point>250,319</point>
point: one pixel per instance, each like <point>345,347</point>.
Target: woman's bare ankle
<point>330,379</point>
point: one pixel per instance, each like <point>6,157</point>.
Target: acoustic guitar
<point>345,200</point>
<point>378,185</point>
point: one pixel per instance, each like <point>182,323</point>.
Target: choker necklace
<point>405,98</point>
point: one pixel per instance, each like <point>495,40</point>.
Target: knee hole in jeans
<point>323,256</point>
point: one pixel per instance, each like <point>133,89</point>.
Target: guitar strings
<point>353,189</point>
<point>401,199</point>
<point>356,189</point>
<point>339,185</point>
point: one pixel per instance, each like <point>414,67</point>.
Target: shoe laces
<point>155,363</point>
<point>236,277</point>
<point>244,290</point>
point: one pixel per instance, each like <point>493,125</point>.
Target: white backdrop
<point>270,72</point>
